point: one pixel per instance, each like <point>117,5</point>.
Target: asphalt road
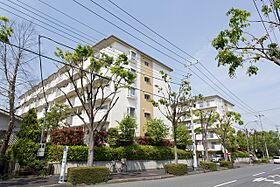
<point>262,175</point>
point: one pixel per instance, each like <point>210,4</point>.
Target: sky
<point>190,24</point>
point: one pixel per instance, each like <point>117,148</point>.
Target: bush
<point>88,175</point>
<point>264,160</point>
<point>67,136</point>
<point>227,164</point>
<point>176,169</point>
<point>79,153</point>
<point>113,137</point>
<point>156,130</point>
<point>143,140</point>
<point>127,130</point>
<point>208,166</point>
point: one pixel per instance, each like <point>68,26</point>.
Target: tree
<point>206,119</point>
<point>127,130</point>
<point>174,105</point>
<point>55,118</point>
<point>242,141</point>
<point>239,45</point>
<point>96,83</point>
<point>225,131</point>
<point>183,136</point>
<point>14,67</point>
<point>156,130</point>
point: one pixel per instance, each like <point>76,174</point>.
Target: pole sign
<point>63,165</point>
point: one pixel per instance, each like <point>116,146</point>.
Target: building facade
<point>133,101</point>
<point>217,104</point>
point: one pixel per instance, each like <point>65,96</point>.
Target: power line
<point>72,18</point>
<point>172,44</point>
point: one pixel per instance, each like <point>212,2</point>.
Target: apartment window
<point>147,80</point>
<point>147,115</point>
<point>58,92</point>
<point>200,104</point>
<point>147,63</point>
<point>147,97</point>
<point>71,86</point>
<point>133,70</point>
<point>131,111</point>
<point>69,120</point>
<point>132,55</point>
<point>103,107</point>
<point>72,101</point>
<point>131,91</point>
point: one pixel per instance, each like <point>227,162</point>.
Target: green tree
<point>174,105</point>
<point>242,141</point>
<point>5,31</point>
<point>98,84</point>
<point>225,130</point>
<point>25,149</point>
<point>156,130</point>
<point>183,137</point>
<point>238,46</point>
<point>127,130</point>
<point>55,118</point>
<point>113,137</point>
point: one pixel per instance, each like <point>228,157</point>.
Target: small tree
<point>206,118</point>
<point>224,129</point>
<point>127,130</point>
<point>174,105</point>
<point>96,82</point>
<point>113,137</point>
<point>183,136</point>
<point>156,130</point>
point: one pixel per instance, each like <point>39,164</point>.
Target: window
<point>147,80</point>
<point>132,55</point>
<point>146,63</point>
<point>147,115</point>
<point>200,104</point>
<point>103,107</point>
<point>131,111</point>
<point>72,101</point>
<point>147,97</point>
<point>131,92</point>
<point>58,92</point>
<point>133,70</point>
<point>69,120</point>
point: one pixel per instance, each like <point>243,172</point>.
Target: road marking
<point>275,169</point>
<point>258,174</point>
<point>225,183</point>
<point>259,179</point>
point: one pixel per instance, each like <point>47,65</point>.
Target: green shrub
<point>176,169</point>
<point>256,161</point>
<point>264,160</point>
<point>79,153</point>
<point>208,166</point>
<point>88,175</point>
<point>113,137</point>
<point>227,164</point>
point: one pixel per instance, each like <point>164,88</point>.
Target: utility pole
<point>260,119</point>
<point>277,131</point>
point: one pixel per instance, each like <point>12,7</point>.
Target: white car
<point>276,159</point>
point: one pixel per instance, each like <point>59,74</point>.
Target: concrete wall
<point>132,165</point>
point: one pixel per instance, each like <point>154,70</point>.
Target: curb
<point>139,179</point>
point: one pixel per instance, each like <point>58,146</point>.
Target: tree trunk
<point>175,145</point>
<point>90,148</point>
<point>206,146</point>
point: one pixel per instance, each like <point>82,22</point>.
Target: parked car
<point>217,158</point>
<point>276,159</point>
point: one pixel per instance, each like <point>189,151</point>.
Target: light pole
<point>260,119</point>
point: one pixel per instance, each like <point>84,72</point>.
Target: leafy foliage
<point>127,130</point>
<point>67,136</point>
<point>208,165</point>
<point>176,169</point>
<point>113,137</point>
<point>239,45</point>
<point>156,130</point>
<point>5,31</point>
<point>183,136</point>
<point>104,153</point>
<point>88,175</point>
<point>227,164</point>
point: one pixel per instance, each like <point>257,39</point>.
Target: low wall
<point>132,165</point>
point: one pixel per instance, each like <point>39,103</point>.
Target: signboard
<point>63,165</point>
<point>41,150</point>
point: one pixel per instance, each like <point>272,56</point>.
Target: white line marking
<point>258,174</point>
<point>275,169</point>
<point>225,183</point>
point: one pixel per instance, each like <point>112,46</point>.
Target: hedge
<point>227,164</point>
<point>104,153</point>
<point>88,175</point>
<point>208,166</point>
<point>176,169</point>
<point>241,154</point>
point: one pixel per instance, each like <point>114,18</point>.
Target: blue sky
<point>190,24</point>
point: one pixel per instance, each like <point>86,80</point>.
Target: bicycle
<point>115,169</point>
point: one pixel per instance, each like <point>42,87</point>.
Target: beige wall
<point>145,106</point>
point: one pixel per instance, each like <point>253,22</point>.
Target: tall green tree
<point>156,130</point>
<point>98,84</point>
<point>174,105</point>
<point>241,46</point>
<point>184,138</point>
<point>225,131</point>
<point>127,129</point>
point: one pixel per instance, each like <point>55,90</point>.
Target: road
<point>262,175</point>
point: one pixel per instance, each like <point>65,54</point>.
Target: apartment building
<point>219,105</point>
<point>133,101</point>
